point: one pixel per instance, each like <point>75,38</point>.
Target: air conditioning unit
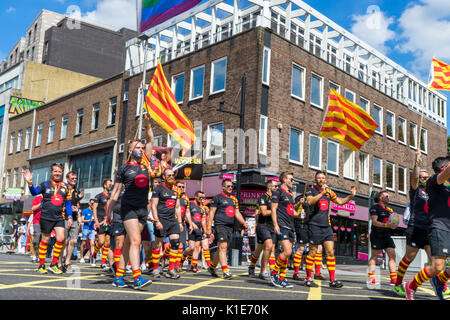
<point>121,148</point>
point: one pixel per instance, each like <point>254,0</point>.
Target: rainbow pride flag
<point>155,12</point>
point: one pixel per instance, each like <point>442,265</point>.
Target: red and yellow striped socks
<point>253,260</point>
<point>419,279</point>
<point>393,276</point>
<point>283,270</point>
<point>207,256</point>
<point>402,267</point>
<point>272,262</point>
<point>309,267</point>
<point>173,255</point>
<point>57,251</point>
<point>120,272</point>
<point>225,269</point>
<point>443,277</point>
<point>279,265</point>
<point>318,263</point>
<point>155,258</point>
<point>136,274</point>
<point>104,255</point>
<point>96,249</point>
<point>42,252</point>
<point>331,266</point>
<point>213,265</point>
<point>166,252</point>
<point>117,254</point>
<point>297,262</point>
<point>194,263</point>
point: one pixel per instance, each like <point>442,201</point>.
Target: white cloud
<point>113,14</point>
<point>426,33</point>
<point>10,10</point>
<point>373,28</point>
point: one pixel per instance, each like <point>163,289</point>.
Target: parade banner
<point>186,168</point>
<point>19,105</point>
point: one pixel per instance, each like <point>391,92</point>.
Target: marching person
<point>103,236</point>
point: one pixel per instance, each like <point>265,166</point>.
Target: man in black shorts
<point>302,234</point>
<point>438,190</point>
<point>103,237</point>
<point>224,211</point>
<point>380,238</point>
<point>264,232</point>
<point>117,231</point>
<point>185,217</point>
<point>166,212</point>
<point>318,199</point>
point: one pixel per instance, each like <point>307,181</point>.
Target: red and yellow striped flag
<point>441,75</point>
<point>347,122</point>
<point>160,102</point>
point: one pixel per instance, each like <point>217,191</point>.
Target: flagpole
<point>423,108</point>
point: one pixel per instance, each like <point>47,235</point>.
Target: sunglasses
<point>229,187</point>
<point>180,187</point>
<point>170,175</point>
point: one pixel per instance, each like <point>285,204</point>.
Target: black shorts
<point>379,241</point>
<point>103,230</point>
<point>302,234</point>
<point>318,235</point>
<point>439,242</point>
<point>47,226</point>
<point>417,238</point>
<point>128,213</point>
<point>286,234</point>
<point>117,229</point>
<point>223,233</point>
<point>170,226</point>
<point>265,232</point>
<point>196,235</point>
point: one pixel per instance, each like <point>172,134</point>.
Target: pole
<point>370,221</point>
<point>141,101</point>
<point>423,110</point>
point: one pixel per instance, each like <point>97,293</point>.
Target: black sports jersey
<point>197,213</point>
<point>264,200</point>
<point>54,197</point>
<point>135,178</point>
<point>116,209</point>
<point>419,217</point>
<point>320,212</point>
<point>76,198</point>
<point>101,199</point>
<point>303,217</point>
<point>184,205</point>
<point>226,208</point>
<point>167,201</point>
<point>382,214</point>
<point>439,203</point>
<point>285,209</point>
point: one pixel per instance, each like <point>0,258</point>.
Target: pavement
<point>20,281</point>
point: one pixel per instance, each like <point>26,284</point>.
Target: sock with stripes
<point>172,259</point>
<point>179,257</point>
<point>331,266</point>
<point>166,252</point>
<point>57,251</point>
<point>443,277</point>
<point>96,249</point>
<point>297,262</point>
<point>104,254</point>
<point>419,279</point>
<point>120,273</point>
<point>278,265</point>
<point>318,263</point>
<point>207,256</point>
<point>213,265</point>
<point>194,263</point>
<point>155,258</point>
<point>393,276</point>
<point>309,267</point>
<point>190,258</point>
<point>271,263</point>
<point>402,267</point>
<point>42,252</point>
<point>283,270</point>
<point>253,260</point>
<point>225,269</point>
<point>117,254</point>
<point>136,274</point>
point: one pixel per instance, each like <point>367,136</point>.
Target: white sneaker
<point>82,261</point>
<point>128,269</point>
<point>143,267</point>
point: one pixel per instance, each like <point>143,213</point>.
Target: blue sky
<point>409,32</point>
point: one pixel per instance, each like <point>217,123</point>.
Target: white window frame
<point>110,113</point>
<point>393,175</point>
<point>39,129</point>
<point>192,83</point>
<point>312,151</point>
<point>265,77</point>
<point>211,88</point>
<point>415,136</point>
<point>405,135</point>
<point>336,173</point>
<point>425,141</point>
<point>27,139</point>
<point>8,179</point>
<point>79,116</point>
<point>51,131</point>
<point>303,81</point>
<point>64,124</point>
<point>404,180</point>
<point>15,177</point>
<point>335,84</point>
<point>174,85</point>
<point>158,138</point>
<point>320,88</point>
<point>301,143</point>
<point>381,124</point>
<point>262,138</point>
<point>12,142</point>
<point>381,172</point>
<point>368,104</point>
<point>352,159</point>
<point>19,141</point>
<point>394,124</point>
<point>351,92</point>
<point>367,167</point>
<point>208,140</point>
<point>93,116</point>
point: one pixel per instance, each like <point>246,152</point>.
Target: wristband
<point>29,182</point>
